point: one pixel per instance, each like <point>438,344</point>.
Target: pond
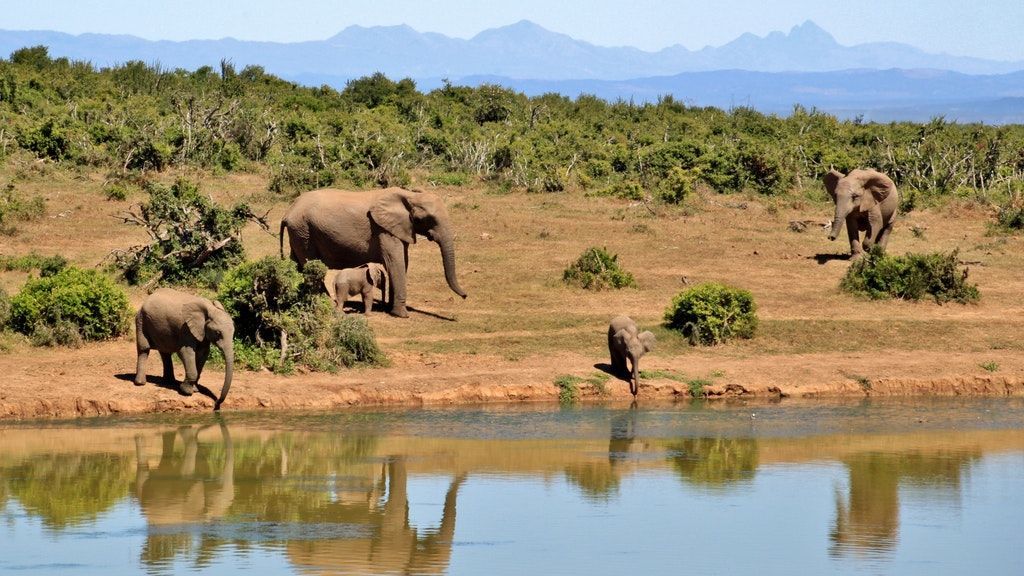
<point>857,487</point>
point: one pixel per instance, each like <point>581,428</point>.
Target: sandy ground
<point>521,327</point>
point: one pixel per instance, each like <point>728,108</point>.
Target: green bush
<point>193,239</point>
<point>83,301</point>
<point>910,277</point>
<point>596,269</point>
<point>1010,216</point>
<point>47,265</point>
<point>5,308</point>
<point>270,298</point>
<point>712,313</point>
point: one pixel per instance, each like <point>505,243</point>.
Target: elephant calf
<point>626,341</point>
<point>173,322</point>
<point>361,280</point>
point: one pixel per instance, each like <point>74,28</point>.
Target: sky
<point>980,28</point>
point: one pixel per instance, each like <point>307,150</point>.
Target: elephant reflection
<point>182,490</point>
<point>869,520</point>
<point>393,545</point>
<point>598,480</point>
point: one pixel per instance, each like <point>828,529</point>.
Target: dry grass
<point>513,248</point>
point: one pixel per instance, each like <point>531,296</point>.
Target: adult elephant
<point>173,322</point>
<point>867,201</point>
<point>348,229</point>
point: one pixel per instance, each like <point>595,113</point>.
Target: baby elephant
<point>173,322</point>
<point>626,341</point>
<point>361,280</point>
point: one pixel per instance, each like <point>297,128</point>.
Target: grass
<point>569,386</point>
<point>990,366</point>
<point>863,381</point>
<point>696,387</point>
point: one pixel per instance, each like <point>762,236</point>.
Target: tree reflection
<point>714,462</point>
<point>869,519</point>
<point>66,490</point>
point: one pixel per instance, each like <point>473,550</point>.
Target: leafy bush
<point>47,265</point>
<point>712,313</point>
<point>14,207</point>
<point>71,302</point>
<point>283,319</point>
<point>193,239</point>
<point>1010,216</point>
<point>596,269</point>
<point>910,277</point>
<point>5,308</point>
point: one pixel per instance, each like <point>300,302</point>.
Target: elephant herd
<point>366,236</point>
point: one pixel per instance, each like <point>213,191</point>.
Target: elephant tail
<point>280,237</point>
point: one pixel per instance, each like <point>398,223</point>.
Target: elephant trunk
<point>634,382</point>
<point>227,349</point>
<point>444,240</point>
<point>843,210</point>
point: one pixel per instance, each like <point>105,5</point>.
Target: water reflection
<point>322,499</point>
<point>868,520</point>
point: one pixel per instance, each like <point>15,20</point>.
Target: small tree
<point>192,238</point>
<point>910,277</point>
<point>596,269</point>
<point>712,313</point>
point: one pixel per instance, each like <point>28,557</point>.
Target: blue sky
<point>983,28</point>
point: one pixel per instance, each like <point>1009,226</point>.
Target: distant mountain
<point>874,95</point>
<point>522,50</point>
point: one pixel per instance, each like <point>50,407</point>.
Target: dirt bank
<point>96,380</point>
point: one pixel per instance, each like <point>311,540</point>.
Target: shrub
<point>5,308</point>
<point>84,301</point>
<point>910,277</point>
<point>677,185</point>
<point>712,313</point>
<point>193,239</point>
<point>596,269</point>
<point>1010,216</point>
<point>283,319</point>
<point>47,265</point>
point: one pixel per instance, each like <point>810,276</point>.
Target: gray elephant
<point>866,200</point>
<point>360,281</point>
<point>347,229</point>
<point>625,341</point>
<point>173,322</point>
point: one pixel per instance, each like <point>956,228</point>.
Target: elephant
<point>626,341</point>
<point>346,229</point>
<point>866,200</point>
<point>172,322</point>
<point>361,280</point>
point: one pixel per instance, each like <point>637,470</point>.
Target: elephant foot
<point>188,388</point>
<point>400,312</point>
<point>140,381</point>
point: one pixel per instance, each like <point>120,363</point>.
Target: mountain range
<point>772,73</point>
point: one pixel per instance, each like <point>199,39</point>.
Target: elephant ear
<point>647,339</point>
<point>195,320</point>
<point>392,212</point>
<point>877,187</point>
<point>831,181</point>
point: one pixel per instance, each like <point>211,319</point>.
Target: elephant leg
<point>142,348</point>
<point>395,262</point>
<point>883,236</point>
<point>165,358</point>
<point>188,358</point>
<point>140,368</point>
<point>853,233</point>
<point>202,354</point>
<point>367,299</point>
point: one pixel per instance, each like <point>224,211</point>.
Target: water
<point>895,487</point>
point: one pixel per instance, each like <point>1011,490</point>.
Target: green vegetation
<point>696,387</point>
<point>990,366</point>
<point>596,269</point>
<point>662,374</point>
<point>69,307</point>
<point>136,118</point>
<point>910,277</point>
<point>192,239</point>
<point>5,308</point>
<point>712,313</point>
<point>1010,215</point>
<point>47,265</point>
<point>15,208</point>
<point>283,319</point>
<point>568,389</point>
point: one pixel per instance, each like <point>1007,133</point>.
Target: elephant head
<point>860,192</point>
<point>377,277</point>
<point>405,213</point>
<point>208,323</point>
